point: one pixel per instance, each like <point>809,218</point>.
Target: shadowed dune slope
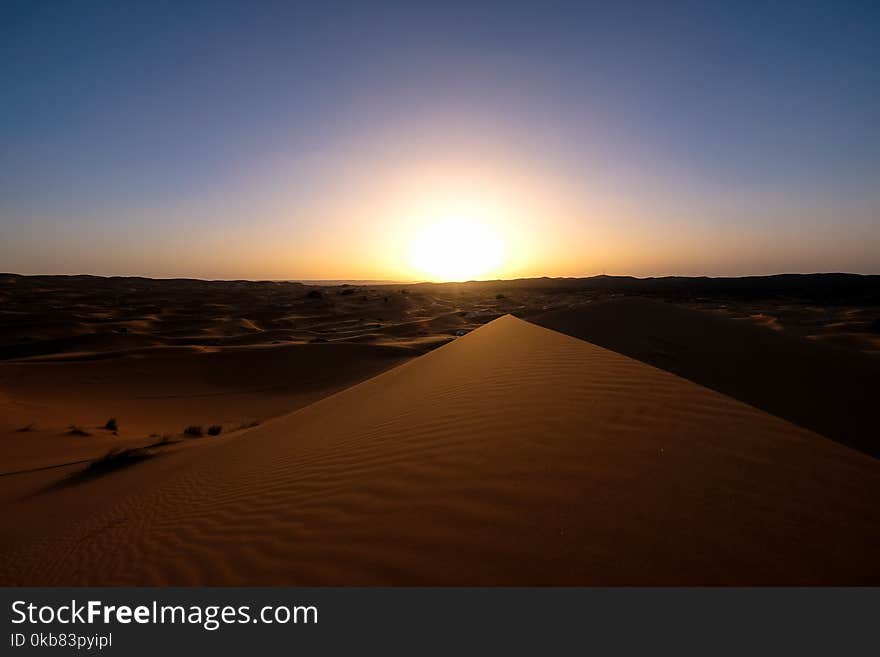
<point>514,455</point>
<point>166,391</point>
<point>830,391</point>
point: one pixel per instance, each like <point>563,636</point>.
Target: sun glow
<point>456,249</point>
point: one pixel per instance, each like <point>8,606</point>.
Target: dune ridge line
<point>513,455</point>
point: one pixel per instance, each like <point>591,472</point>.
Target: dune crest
<point>513,455</point>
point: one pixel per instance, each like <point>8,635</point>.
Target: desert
<point>491,327</point>
<point>539,431</point>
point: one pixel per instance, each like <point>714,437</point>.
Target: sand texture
<point>513,455</point>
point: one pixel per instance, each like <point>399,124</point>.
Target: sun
<point>456,249</point>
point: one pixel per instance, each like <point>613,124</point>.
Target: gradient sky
<point>314,140</point>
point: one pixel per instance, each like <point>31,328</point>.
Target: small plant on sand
<point>74,430</point>
<point>214,430</point>
<point>111,425</point>
<point>194,430</point>
<point>114,460</point>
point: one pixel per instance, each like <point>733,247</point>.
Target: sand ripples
<point>514,455</point>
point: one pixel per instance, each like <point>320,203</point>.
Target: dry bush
<point>115,459</point>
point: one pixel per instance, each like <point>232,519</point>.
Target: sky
<point>439,140</point>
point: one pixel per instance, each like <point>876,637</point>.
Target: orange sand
<point>513,455</point>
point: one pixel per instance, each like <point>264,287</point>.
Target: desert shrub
<point>114,460</point>
<point>500,296</point>
<point>193,430</point>
<point>214,430</point>
<point>111,424</point>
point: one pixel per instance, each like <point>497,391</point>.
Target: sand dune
<point>165,392</point>
<point>90,318</point>
<point>831,391</point>
<point>514,455</point>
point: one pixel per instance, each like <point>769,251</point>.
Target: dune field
<point>512,455</point>
<point>161,356</point>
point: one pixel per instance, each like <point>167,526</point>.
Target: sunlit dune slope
<point>831,391</point>
<point>514,455</point>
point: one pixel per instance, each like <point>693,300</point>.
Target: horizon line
<point>330,282</point>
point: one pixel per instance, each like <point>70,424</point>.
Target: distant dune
<point>834,288</point>
<point>513,455</point>
<point>830,391</point>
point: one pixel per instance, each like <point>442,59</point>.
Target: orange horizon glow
<point>452,213</point>
<point>414,141</point>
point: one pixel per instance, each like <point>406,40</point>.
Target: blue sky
<point>656,138</point>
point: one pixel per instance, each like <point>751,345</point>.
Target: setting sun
<point>456,249</point>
